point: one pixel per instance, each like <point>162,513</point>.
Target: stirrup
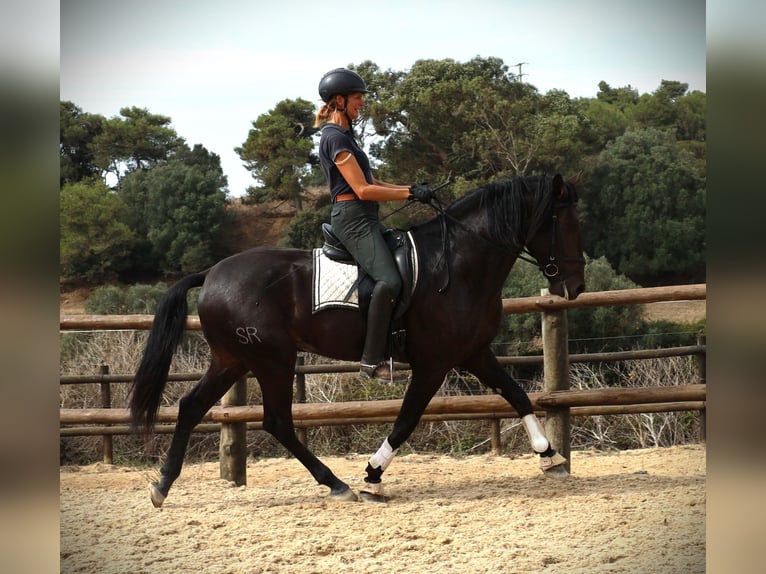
<point>383,372</point>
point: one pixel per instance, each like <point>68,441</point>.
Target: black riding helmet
<point>340,81</point>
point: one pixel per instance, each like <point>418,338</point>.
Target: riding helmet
<point>340,81</point>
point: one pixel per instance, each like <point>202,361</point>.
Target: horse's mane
<point>513,207</point>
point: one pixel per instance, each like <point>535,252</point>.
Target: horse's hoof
<point>346,495</point>
<point>554,466</point>
<point>559,471</point>
<point>373,492</point>
<point>372,497</point>
<point>157,497</point>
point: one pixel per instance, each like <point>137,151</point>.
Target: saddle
<point>405,255</point>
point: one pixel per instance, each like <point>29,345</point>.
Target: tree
<point>603,123</point>
<point>77,130</point>
<point>179,207</point>
<point>669,106</point>
<point>604,328</point>
<point>305,229</point>
<point>620,98</point>
<point>468,118</point>
<point>644,209</point>
<point>423,114</point>
<point>589,328</point>
<point>134,140</point>
<point>279,151</point>
<point>556,131</point>
<point>95,244</point>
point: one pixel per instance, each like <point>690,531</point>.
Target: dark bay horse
<point>466,253</point>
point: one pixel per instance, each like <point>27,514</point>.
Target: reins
<point>549,269</point>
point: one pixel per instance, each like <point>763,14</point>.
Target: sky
<point>215,67</point>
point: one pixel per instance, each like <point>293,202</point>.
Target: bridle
<point>551,269</point>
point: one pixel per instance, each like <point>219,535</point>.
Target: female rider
<point>355,195</point>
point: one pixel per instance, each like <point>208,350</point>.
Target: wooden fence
<point>556,403</point>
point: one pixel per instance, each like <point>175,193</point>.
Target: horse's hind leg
<point>489,371</point>
<point>192,407</point>
<point>276,380</point>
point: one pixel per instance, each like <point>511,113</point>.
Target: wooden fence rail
<point>124,429</point>
<point>557,403</point>
<point>516,305</point>
<point>488,406</point>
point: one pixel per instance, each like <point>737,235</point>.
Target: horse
<point>255,310</point>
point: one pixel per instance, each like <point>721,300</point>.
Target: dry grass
<point>84,353</point>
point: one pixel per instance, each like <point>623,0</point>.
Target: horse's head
<point>556,244</point>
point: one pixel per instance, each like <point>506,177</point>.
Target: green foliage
<point>137,139</point>
<point>428,115</point>
<point>662,334</point>
<point>279,151</point>
<point>134,299</point>
<point>620,98</point>
<point>643,194</point>
<point>520,333</point>
<point>469,118</point>
<point>77,130</point>
<point>602,328</point>
<point>305,230</point>
<point>645,209</point>
<point>605,122</point>
<point>180,207</point>
<point>670,107</point>
<point>95,243</point>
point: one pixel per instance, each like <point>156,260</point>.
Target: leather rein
<point>550,269</point>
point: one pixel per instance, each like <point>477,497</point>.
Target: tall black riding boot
<point>374,363</point>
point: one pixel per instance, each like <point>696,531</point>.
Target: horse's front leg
<point>490,373</point>
<point>416,399</point>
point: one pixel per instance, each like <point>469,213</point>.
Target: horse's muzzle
<point>572,294</point>
<point>569,288</point>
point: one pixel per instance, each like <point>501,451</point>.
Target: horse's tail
<point>152,374</point>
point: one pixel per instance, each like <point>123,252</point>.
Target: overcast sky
<point>214,67</point>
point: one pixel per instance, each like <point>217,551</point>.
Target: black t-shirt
<point>334,140</point>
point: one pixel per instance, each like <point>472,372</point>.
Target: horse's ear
<point>559,188</point>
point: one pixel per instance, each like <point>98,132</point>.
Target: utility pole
<point>519,75</point>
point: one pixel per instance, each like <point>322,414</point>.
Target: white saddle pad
<point>334,283</point>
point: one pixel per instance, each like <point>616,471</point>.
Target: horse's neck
<point>471,253</point>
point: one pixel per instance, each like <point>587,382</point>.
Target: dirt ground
<point>631,511</point>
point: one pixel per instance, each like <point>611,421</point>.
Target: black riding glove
<point>422,193</point>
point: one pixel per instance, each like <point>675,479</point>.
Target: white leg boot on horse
<point>372,491</point>
<point>551,462</point>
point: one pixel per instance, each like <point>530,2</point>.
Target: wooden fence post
<point>556,378</point>
<point>496,436</point>
<point>233,444</point>
<point>701,359</point>
<point>106,403</point>
<point>300,396</point>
